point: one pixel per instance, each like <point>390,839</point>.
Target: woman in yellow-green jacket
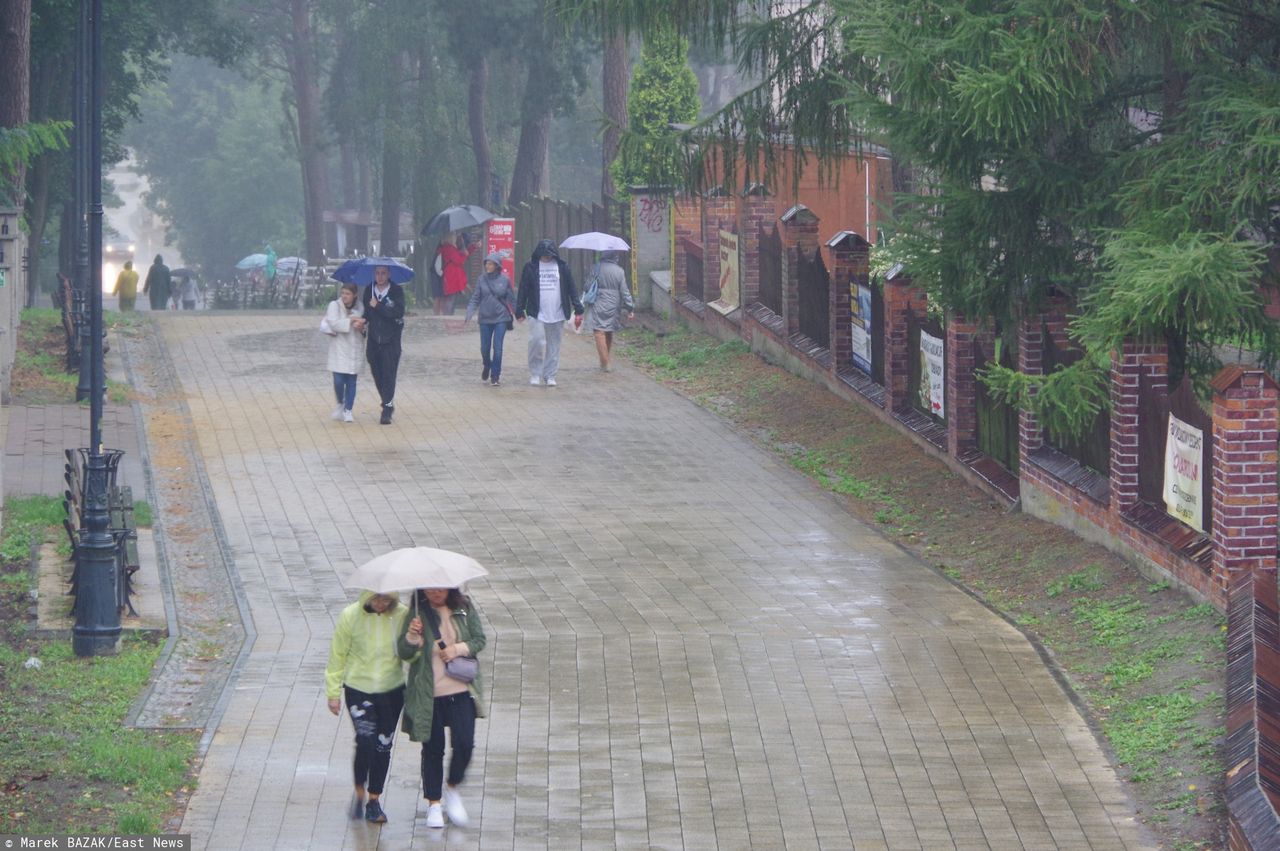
<point>363,663</point>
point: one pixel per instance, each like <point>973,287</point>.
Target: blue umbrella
<point>360,271</point>
<point>253,261</point>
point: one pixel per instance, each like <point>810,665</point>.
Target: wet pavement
<point>691,646</point>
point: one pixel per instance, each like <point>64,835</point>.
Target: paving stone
<point>691,645</point>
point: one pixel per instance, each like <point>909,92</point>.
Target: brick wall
<point>1244,558</point>
<point>850,265</point>
<point>799,234</point>
<point>719,212</point>
<point>900,296</point>
<point>1129,365</point>
<point>754,213</point>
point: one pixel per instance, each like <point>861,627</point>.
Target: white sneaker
<point>453,806</point>
<point>435,816</point>
<point>347,418</point>
<point>535,381</point>
<point>551,382</point>
<point>337,413</point>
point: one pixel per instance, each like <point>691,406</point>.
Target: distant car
<point>114,255</point>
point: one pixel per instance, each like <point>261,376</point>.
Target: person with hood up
<point>453,262</point>
<point>364,664</point>
<point>159,284</point>
<point>491,302</point>
<point>548,297</point>
<point>612,295</point>
<point>126,287</point>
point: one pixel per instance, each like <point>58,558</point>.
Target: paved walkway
<point>691,646</point>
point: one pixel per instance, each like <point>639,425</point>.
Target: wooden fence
<point>917,379</point>
<point>996,421</point>
<point>1153,432</point>
<point>548,218</point>
<point>693,267</point>
<point>1092,448</point>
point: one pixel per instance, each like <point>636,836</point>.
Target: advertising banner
<point>500,236</point>
<point>860,303</point>
<point>728,300</point>
<point>1184,472</point>
<point>932,377</point>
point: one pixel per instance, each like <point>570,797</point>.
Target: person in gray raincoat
<point>492,303</point>
<point>613,296</point>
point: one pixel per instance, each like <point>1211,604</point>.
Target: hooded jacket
<point>491,295</point>
<point>346,346</point>
<point>454,260</point>
<point>159,284</point>
<point>420,691</point>
<point>528,297</point>
<point>362,654</point>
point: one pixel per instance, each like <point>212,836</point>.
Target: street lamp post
<point>81,201</point>
<point>97,628</point>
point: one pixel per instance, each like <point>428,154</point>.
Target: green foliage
<point>221,171</point>
<point>1085,581</point>
<point>22,144</point>
<point>1066,401</point>
<point>664,91</point>
<point>26,520</point>
<point>1144,729</point>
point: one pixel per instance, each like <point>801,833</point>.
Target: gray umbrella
<point>456,218</point>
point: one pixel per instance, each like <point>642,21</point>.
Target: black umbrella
<point>184,272</point>
<point>456,218</point>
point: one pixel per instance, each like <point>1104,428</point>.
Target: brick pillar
<point>686,220</point>
<point>719,212</point>
<point>756,209</point>
<point>850,256</point>
<point>1031,345</point>
<point>799,235</point>
<point>900,296</point>
<point>1244,474</point>
<point>962,384</point>
<point>1129,364</point>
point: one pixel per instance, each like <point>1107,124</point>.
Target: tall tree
<point>664,92</point>
<point>616,78</point>
<point>302,58</point>
<point>15,70</point>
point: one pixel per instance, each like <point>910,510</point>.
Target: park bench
<point>121,526</point>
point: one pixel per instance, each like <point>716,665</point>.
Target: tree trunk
<point>617,73</point>
<point>476,94</point>
<point>15,72</point>
<point>392,158</point>
<point>306,91</point>
<point>350,196</point>
<point>531,157</point>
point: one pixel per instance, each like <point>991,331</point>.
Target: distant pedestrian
<point>492,304</point>
<point>613,296</point>
<point>159,284</point>
<point>188,291</point>
<point>548,297</point>
<point>453,262</point>
<point>344,323</point>
<point>364,664</point>
<point>126,287</point>
<point>383,305</point>
<point>434,700</point>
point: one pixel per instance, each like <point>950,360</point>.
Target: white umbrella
<point>253,261</point>
<point>596,241</point>
<point>288,265</point>
<point>415,567</point>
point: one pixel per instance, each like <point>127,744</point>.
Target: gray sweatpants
<point>544,348</point>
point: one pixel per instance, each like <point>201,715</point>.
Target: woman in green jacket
<point>363,664</point>
<point>434,700</point>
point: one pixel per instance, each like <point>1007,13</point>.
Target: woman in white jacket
<point>344,322</point>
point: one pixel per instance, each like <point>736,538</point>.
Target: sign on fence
<point>1183,473</point>
<point>932,376</point>
<point>500,236</point>
<point>728,300</point>
<point>860,302</point>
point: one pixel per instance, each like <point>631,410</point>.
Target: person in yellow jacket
<point>363,663</point>
<point>126,287</point>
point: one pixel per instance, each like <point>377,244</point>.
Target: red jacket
<point>455,271</point>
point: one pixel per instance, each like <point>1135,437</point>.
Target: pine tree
<point>663,92</point>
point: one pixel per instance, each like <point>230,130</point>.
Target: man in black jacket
<point>384,312</point>
<point>546,296</point>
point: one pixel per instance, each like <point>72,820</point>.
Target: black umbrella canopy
<point>456,218</point>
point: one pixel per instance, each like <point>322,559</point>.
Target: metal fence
<point>771,268</point>
<point>815,295</point>
<point>693,267</point>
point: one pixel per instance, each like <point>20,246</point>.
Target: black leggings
<point>374,716</point>
<point>458,713</point>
